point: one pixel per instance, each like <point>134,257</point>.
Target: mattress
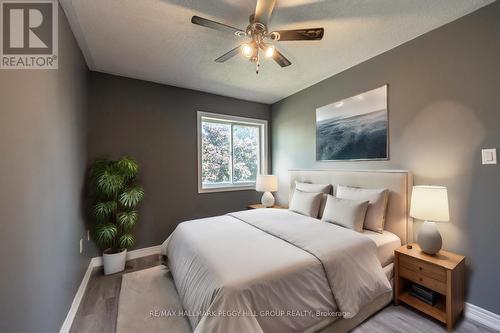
<point>386,243</point>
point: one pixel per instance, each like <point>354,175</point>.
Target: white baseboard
<point>134,254</point>
<point>76,301</point>
<point>484,317</point>
<point>96,262</point>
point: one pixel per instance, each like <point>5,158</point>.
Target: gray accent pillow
<point>306,203</point>
<point>375,214</point>
<point>346,213</point>
<point>323,188</point>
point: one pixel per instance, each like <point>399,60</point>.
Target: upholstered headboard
<point>398,182</point>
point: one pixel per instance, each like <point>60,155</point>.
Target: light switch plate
<point>489,156</point>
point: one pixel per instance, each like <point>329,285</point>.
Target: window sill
<point>227,189</point>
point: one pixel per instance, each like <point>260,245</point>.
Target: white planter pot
<point>114,262</point>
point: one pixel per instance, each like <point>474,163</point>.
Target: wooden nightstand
<point>443,273</point>
<point>255,206</point>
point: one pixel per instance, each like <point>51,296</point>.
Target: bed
<point>273,270</point>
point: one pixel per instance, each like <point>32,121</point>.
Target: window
<point>232,151</point>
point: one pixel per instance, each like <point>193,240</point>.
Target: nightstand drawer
<point>432,271</point>
<point>423,280</point>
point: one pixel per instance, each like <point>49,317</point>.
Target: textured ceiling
<point>154,40</point>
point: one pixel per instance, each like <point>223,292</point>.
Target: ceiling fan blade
<point>228,55</point>
<point>263,11</point>
<point>217,26</point>
<point>298,34</point>
<point>281,59</point>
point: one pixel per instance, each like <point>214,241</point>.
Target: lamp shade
<point>266,183</point>
<point>430,203</point>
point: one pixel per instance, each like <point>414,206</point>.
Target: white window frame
<point>264,151</point>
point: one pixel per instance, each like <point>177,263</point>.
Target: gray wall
<point>443,106</point>
<point>43,156</point>
<point>156,124</point>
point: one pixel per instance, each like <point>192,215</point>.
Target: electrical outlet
<point>81,245</point>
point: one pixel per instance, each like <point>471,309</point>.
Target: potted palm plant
<point>114,197</point>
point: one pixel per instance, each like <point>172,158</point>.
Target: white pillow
<point>306,203</point>
<point>375,215</point>
<point>323,188</point>
<point>346,213</point>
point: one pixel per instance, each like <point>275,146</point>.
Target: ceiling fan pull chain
<point>257,67</point>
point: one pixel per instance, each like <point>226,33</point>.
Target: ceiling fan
<point>259,35</point>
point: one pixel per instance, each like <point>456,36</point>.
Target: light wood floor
<point>99,308</point>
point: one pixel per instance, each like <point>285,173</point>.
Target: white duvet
<point>271,270</point>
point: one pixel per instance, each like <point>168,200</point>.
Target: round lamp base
<point>267,200</point>
<point>429,238</point>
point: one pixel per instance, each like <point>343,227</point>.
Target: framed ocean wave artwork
<point>355,128</point>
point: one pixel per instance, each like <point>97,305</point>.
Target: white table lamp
<point>267,184</point>
<point>430,203</point>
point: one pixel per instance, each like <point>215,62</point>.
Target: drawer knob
<point>420,279</point>
<point>420,268</point>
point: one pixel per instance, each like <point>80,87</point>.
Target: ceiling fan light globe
<point>270,51</point>
<point>247,50</point>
